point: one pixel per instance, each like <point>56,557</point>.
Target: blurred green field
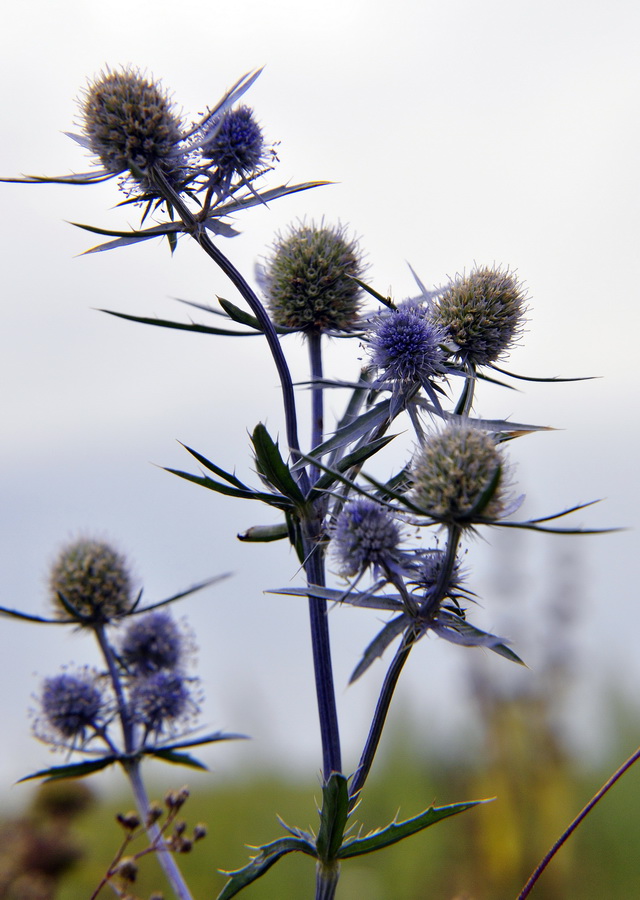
<point>484,854</point>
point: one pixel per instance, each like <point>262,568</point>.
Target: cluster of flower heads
<point>91,585</point>
<point>131,126</point>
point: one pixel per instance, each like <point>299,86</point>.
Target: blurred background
<point>455,133</point>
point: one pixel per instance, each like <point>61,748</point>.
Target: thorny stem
<point>542,865</point>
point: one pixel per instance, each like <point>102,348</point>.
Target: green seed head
<point>131,125</point>
<point>94,580</point>
<point>309,279</point>
<point>483,312</point>
<point>458,476</point>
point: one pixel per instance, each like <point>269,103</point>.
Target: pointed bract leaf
<point>74,770</point>
<point>178,326</point>
<point>380,643</point>
<point>180,759</point>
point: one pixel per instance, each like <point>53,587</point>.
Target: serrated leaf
<point>397,831</point>
<point>74,770</point>
<point>273,467</point>
<point>333,816</point>
<point>267,856</point>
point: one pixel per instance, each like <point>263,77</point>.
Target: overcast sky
<point>455,132</point>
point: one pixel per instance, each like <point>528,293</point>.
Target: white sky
<point>456,132</point>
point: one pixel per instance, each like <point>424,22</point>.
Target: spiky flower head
<point>151,643</point>
<point>308,279</point>
<point>365,534</point>
<point>405,344</point>
<point>160,700</point>
<point>71,704</point>
<point>94,581</point>
<point>458,476</point>
<point>483,312</point>
<point>237,144</point>
<point>131,126</point>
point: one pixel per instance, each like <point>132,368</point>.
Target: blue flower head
<point>71,704</point>
<point>152,643</point>
<point>406,345</point>
<point>364,535</point>
<point>160,701</point>
<point>236,146</point>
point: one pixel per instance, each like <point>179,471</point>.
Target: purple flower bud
<point>405,345</point>
<point>160,699</point>
<point>151,643</point>
<point>71,704</point>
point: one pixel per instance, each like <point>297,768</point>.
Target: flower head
<point>94,581</point>
<point>151,643</point>
<point>131,126</point>
<point>483,313</point>
<point>309,279</point>
<point>364,535</point>
<point>458,476</point>
<point>405,344</point>
<point>160,700</point>
<point>236,145</point>
<point>72,704</point>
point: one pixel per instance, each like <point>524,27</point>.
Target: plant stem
<point>315,572</point>
<point>542,865</point>
<point>327,881</point>
<point>163,854</point>
<point>198,233</point>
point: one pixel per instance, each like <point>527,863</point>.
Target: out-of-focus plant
<point>393,542</point>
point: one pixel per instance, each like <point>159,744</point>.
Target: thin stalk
<point>164,855</point>
<point>380,715</point>
<point>199,233</point>
<point>317,396</point>
<point>314,568</point>
<point>578,819</point>
<point>411,635</point>
<point>131,766</point>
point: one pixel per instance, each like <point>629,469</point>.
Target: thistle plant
<point>391,543</point>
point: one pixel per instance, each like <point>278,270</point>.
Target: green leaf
<point>180,759</point>
<point>271,499</point>
<point>179,326</point>
<point>267,856</point>
<point>239,315</point>
<point>333,817</point>
<point>75,770</point>
<point>273,467</point>
<point>397,831</point>
<point>212,467</point>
